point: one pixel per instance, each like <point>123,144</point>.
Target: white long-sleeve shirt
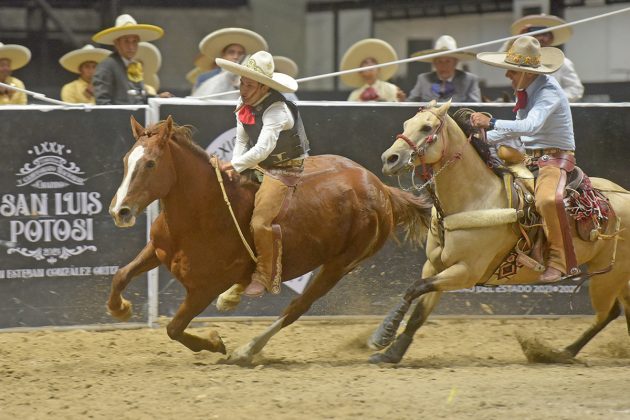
<point>275,119</point>
<point>545,122</point>
<point>569,81</point>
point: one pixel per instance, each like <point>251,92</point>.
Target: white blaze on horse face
<point>132,161</point>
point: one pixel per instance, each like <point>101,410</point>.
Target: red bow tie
<point>245,115</point>
<point>521,100</point>
<point>369,94</point>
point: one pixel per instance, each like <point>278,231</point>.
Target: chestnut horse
<point>339,215</point>
<point>467,191</point>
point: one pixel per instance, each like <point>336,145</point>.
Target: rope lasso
<point>214,161</point>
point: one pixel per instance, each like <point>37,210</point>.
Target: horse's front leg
<point>453,278</point>
<point>119,307</point>
<point>195,302</point>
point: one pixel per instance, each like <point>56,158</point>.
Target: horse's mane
<point>182,135</point>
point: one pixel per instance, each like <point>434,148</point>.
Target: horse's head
<point>148,175</point>
<point>421,140</point>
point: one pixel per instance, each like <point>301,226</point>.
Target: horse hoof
<point>538,351</point>
<point>378,341</point>
<point>382,358</point>
<point>217,345</point>
<point>124,312</point>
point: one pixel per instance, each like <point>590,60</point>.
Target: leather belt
<point>292,163</point>
<point>536,153</point>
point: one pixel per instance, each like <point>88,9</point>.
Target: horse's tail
<point>411,212</point>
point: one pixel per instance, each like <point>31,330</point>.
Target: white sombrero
<point>19,55</point>
<point>534,22</point>
<point>525,55</point>
<point>445,43</point>
<point>374,48</point>
<point>260,67</point>
<point>150,57</point>
<point>212,45</point>
<point>72,61</point>
<point>286,65</point>
<point>127,25</point>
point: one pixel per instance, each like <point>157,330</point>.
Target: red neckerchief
<point>246,116</point>
<point>369,94</point>
<point>521,100</point>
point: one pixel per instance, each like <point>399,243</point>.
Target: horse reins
<point>214,161</point>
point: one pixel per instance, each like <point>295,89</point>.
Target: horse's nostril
<point>392,159</point>
<point>124,212</point>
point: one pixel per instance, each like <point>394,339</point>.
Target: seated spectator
<point>446,81</point>
<point>566,75</point>
<point>82,62</point>
<point>12,57</point>
<point>372,84</point>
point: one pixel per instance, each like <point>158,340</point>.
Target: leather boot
<point>551,275</point>
<point>255,289</point>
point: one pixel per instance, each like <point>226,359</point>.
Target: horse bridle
<point>419,151</point>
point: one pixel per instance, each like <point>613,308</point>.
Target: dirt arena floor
<point>316,370</point>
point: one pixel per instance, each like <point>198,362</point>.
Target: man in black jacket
<point>118,79</point>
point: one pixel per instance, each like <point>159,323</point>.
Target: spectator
<point>12,57</point>
<point>566,75</point>
<point>446,81</point>
<point>371,84</point>
<point>229,44</point>
<point>151,59</point>
<point>82,62</point>
<point>118,79</point>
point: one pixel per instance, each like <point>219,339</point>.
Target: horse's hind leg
<point>397,350</point>
<point>119,307</point>
<point>195,302</point>
<point>604,291</point>
<point>327,277</point>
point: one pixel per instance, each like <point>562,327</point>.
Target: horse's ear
<point>136,128</point>
<point>432,104</point>
<point>443,109</point>
<point>166,129</point>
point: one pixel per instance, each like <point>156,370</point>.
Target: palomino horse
<point>339,215</point>
<point>466,188</point>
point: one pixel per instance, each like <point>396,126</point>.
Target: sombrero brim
<point>150,57</point>
<point>285,65</point>
<point>281,82</point>
<point>551,60</point>
<point>152,79</point>
<point>560,36</point>
<point>204,63</point>
<point>72,61</point>
<point>461,55</point>
<point>374,48</point>
<point>19,55</point>
<point>145,32</point>
<point>192,75</point>
<point>213,44</point>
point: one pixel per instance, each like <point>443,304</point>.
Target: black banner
<point>362,133</point>
<point>59,247</point>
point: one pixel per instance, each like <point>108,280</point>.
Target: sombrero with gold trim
<point>525,55</point>
<point>127,25</point>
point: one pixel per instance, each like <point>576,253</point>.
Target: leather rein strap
<point>214,161</point>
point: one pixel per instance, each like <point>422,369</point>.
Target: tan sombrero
<point>150,57</point>
<point>152,79</point>
<point>212,45</point>
<point>19,55</point>
<point>374,48</point>
<point>72,61</point>
<point>560,36</point>
<point>204,63</point>
<point>286,65</point>
<point>193,74</point>
<point>445,43</point>
<point>525,55</point>
<point>127,25</point>
<point>259,67</point>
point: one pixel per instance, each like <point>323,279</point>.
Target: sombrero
<point>204,63</point>
<point>285,65</point>
<point>445,43</point>
<point>152,79</point>
<point>212,45</point>
<point>535,22</point>
<point>525,55</point>
<point>374,48</point>
<point>72,61</point>
<point>259,67</point>
<point>19,55</point>
<point>127,25</point>
<point>192,75</point>
<point>150,57</point>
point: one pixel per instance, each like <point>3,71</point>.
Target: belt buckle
<point>545,157</point>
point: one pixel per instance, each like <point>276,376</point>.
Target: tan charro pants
<point>267,205</point>
<point>545,195</point>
